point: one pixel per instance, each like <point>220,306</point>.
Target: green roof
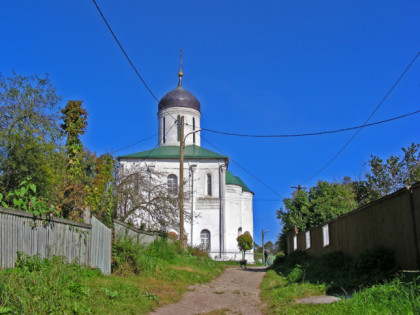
<point>235,180</point>
<point>172,152</point>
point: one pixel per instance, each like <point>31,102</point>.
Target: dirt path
<point>234,292</point>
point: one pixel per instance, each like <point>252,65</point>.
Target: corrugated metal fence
<point>84,243</point>
<point>144,238</point>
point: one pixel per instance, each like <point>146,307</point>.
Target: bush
<point>375,265</point>
<point>338,271</point>
<point>131,257</point>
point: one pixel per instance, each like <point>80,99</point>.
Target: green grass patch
<point>143,278</point>
<point>368,284</point>
<point>395,297</point>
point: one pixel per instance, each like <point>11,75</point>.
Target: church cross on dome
<point>180,74</point>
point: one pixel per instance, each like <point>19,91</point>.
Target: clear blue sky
<point>269,67</point>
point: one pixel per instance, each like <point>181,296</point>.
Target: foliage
<point>244,243</point>
<point>29,134</point>
<point>337,271</point>
<point>44,286</point>
<point>395,172</point>
<point>90,180</point>
<point>25,198</point>
<point>323,202</point>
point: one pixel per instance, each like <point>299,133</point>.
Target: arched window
<point>205,240</point>
<point>209,183</point>
<point>240,231</point>
<point>172,184</point>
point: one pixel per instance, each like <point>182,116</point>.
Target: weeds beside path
<point>236,291</point>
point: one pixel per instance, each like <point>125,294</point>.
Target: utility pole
<point>262,237</point>
<point>181,183</point>
<point>298,187</point>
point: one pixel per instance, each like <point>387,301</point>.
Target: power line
<point>125,54</point>
<point>366,121</point>
<point>134,143</point>
<point>244,169</point>
<point>311,133</point>
<point>128,58</point>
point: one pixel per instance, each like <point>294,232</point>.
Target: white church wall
<point>205,208</point>
<point>171,133</point>
<point>248,219</point>
<point>233,221</point>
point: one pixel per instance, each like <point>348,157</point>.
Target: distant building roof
<point>172,152</point>
<point>235,180</point>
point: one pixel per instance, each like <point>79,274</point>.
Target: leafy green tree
<point>244,243</point>
<point>29,134</point>
<point>323,202</point>
<point>385,177</point>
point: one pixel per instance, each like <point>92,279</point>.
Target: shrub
<point>375,265</point>
<point>244,243</point>
<point>338,271</point>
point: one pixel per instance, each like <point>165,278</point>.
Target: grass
<point>373,285</point>
<point>143,278</point>
<point>395,297</point>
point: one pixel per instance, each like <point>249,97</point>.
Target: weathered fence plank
<point>101,246</point>
<point>144,238</point>
<point>19,231</point>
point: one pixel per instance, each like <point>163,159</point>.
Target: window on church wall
<point>205,240</point>
<point>172,184</point>
<point>179,127</point>
<point>209,185</point>
<point>240,231</point>
<point>163,130</point>
<point>193,130</point>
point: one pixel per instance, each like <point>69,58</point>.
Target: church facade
<point>220,205</point>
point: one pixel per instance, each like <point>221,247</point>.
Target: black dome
<point>179,98</point>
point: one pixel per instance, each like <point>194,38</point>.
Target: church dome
<point>179,98</point>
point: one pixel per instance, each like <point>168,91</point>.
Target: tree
<point>244,243</point>
<point>385,177</point>
<point>143,196</point>
<point>29,134</point>
<point>323,202</point>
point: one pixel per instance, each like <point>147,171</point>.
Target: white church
<point>220,203</point>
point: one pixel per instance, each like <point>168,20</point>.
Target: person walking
<point>266,257</point>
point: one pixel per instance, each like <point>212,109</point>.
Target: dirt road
<point>234,292</point>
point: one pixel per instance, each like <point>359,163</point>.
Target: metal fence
<point>80,242</point>
<point>144,238</point>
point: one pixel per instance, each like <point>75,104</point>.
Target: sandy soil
<point>234,292</point>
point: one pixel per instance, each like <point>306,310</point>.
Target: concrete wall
<point>392,221</point>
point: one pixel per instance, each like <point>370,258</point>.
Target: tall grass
<point>45,286</point>
<point>369,284</point>
<point>143,278</point>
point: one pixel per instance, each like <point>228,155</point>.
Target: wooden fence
<point>392,221</point>
<point>85,243</point>
<point>143,237</point>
